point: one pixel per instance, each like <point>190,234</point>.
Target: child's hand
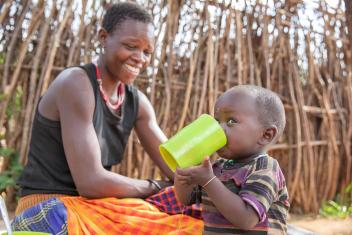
<point>196,174</point>
<point>181,179</point>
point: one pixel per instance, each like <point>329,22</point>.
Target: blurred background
<point>300,49</point>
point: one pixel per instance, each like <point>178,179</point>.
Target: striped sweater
<point>261,184</point>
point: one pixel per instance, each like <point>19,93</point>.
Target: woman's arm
<point>75,103</point>
<point>150,134</point>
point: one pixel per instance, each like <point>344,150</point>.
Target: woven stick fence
<point>203,48</point>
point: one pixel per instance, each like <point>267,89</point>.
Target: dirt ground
<point>323,226</point>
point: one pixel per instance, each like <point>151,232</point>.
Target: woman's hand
<point>195,175</point>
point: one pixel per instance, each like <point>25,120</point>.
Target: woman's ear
<point>268,135</point>
<point>102,35</point>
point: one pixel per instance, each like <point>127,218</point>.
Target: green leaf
<point>6,152</point>
<point>348,188</point>
<point>10,175</point>
<point>2,96</point>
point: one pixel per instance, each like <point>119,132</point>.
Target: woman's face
<point>127,49</point>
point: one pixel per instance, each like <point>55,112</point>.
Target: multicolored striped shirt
<point>261,184</point>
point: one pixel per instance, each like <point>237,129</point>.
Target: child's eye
<point>231,122</point>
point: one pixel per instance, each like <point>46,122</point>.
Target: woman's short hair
<point>118,13</point>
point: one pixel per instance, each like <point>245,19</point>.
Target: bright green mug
<point>193,143</point>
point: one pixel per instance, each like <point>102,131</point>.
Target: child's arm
<point>231,206</point>
<point>183,189</point>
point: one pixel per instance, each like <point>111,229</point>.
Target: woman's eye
<point>147,53</point>
<point>129,46</point>
<point>231,122</point>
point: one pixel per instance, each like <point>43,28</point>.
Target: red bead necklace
<point>120,92</point>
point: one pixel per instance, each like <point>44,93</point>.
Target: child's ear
<point>268,136</point>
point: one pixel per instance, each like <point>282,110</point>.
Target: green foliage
<point>2,57</point>
<point>2,96</point>
<point>335,210</point>
<point>349,188</point>
<point>10,175</point>
<point>340,208</point>
<point>16,103</point>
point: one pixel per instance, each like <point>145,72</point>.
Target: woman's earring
<point>102,50</point>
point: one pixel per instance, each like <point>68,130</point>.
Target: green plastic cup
<point>193,143</point>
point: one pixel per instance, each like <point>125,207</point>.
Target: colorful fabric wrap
<point>49,216</point>
<point>159,214</point>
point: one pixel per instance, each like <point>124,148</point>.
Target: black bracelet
<point>155,183</point>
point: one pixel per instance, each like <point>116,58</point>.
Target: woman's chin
<point>129,80</point>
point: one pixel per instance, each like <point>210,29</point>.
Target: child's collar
<point>231,162</point>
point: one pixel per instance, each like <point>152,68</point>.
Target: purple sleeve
<point>255,204</point>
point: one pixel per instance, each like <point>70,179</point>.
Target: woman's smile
<point>132,69</point>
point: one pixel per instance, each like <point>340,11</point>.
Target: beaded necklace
<point>120,91</point>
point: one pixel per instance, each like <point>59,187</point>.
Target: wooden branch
<point>55,46</point>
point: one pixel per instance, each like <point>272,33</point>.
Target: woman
<point>83,121</point>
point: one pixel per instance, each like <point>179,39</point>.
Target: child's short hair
<point>270,107</point>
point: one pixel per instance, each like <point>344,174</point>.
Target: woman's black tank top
<point>47,170</point>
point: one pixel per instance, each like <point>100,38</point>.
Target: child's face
<point>237,114</point>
